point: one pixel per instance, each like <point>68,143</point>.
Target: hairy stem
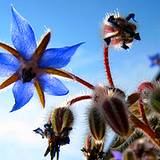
<point>79,98</point>
<point>107,67</point>
<point>147,130</point>
<point>142,112</point>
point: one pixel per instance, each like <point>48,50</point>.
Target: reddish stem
<point>147,130</point>
<point>79,98</point>
<point>107,67</point>
<point>142,112</point>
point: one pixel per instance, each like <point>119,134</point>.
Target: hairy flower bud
<point>96,124</point>
<point>129,155</point>
<point>61,119</point>
<point>116,114</point>
<point>101,92</point>
<point>92,150</point>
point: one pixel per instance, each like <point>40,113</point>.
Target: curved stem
<point>107,67</point>
<point>147,130</point>
<point>62,73</point>
<point>142,112</point>
<point>79,98</point>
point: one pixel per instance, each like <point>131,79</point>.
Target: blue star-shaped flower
<point>155,60</point>
<point>30,65</point>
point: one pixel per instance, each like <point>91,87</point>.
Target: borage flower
<point>119,31</point>
<point>155,60</point>
<point>30,65</point>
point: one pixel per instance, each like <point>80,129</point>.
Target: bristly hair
<point>134,136</point>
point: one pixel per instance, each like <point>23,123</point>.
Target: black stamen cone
<point>28,74</point>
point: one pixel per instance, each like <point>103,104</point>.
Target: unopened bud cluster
<point>57,130</point>
<point>108,109</point>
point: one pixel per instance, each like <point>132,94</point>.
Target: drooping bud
<point>116,114</point>
<point>93,150</point>
<point>97,124</point>
<point>101,92</point>
<point>61,119</point>
<point>129,155</point>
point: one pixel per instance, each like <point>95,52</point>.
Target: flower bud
<point>96,124</point>
<point>116,114</point>
<point>61,119</point>
<point>93,150</point>
<point>129,155</point>
<point>155,100</point>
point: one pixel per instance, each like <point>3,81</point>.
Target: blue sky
<point>73,21</point>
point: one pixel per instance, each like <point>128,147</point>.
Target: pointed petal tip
<point>14,109</point>
<point>14,11</point>
<point>58,57</point>
<point>76,45</point>
<point>81,43</point>
<point>22,92</point>
<point>22,35</point>
<point>12,7</point>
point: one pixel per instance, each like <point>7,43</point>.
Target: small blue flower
<point>31,66</point>
<point>155,60</point>
<point>117,155</point>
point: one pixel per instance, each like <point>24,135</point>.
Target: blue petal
<point>22,92</point>
<point>117,155</point>
<point>23,37</point>
<point>52,85</point>
<point>58,57</point>
<point>154,57</point>
<point>152,64</point>
<point>8,64</point>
